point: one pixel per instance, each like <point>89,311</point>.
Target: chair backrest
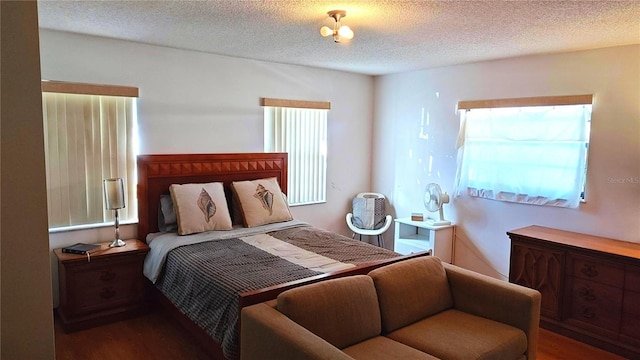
<point>369,211</point>
<point>370,195</point>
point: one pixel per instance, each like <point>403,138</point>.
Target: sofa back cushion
<point>342,311</point>
<point>411,290</point>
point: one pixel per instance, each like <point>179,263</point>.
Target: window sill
<point>90,226</point>
<point>307,203</point>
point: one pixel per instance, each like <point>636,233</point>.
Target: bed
<point>205,277</point>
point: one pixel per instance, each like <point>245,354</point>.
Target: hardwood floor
<point>150,336</point>
<point>552,346</point>
<point>155,336</point>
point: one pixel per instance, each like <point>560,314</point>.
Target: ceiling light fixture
<point>338,30</point>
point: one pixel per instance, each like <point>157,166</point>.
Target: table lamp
<point>114,200</point>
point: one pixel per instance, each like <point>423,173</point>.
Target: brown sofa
<point>414,309</point>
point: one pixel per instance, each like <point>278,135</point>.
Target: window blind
<point>88,138</point>
<point>302,133</point>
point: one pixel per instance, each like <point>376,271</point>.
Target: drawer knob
<point>107,293</point>
<point>587,312</point>
<point>586,294</point>
<point>107,275</point>
<point>589,270</point>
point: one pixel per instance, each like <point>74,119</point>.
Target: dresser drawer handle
<point>586,294</point>
<point>587,313</point>
<point>107,275</point>
<point>107,293</point>
<point>589,270</point>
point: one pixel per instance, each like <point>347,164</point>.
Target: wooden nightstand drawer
<point>104,285</point>
<point>107,285</point>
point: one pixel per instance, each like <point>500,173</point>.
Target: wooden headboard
<point>157,172</point>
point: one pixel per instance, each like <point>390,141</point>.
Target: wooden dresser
<point>105,286</point>
<point>590,285</point>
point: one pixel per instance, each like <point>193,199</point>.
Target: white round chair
<point>369,232</point>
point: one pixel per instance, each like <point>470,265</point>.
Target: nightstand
<point>107,285</point>
<point>415,236</point>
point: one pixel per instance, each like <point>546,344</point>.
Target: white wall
<point>192,102</point>
<point>613,183</point>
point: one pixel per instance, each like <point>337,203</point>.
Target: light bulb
<point>345,32</point>
<point>326,31</point>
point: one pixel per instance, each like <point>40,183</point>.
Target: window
<point>90,135</point>
<point>299,128</point>
<point>531,150</point>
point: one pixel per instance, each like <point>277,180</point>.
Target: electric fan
<point>434,199</point>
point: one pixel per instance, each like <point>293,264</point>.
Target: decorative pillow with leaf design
<point>200,207</point>
<point>261,202</point>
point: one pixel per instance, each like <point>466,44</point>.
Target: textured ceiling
<point>390,36</point>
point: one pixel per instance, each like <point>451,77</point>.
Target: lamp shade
<point>114,193</point>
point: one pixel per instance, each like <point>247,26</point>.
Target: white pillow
<point>261,202</point>
<point>200,207</point>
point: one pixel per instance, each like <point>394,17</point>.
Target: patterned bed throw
<point>204,280</point>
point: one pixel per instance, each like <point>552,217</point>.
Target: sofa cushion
<point>342,311</point>
<point>411,290</point>
<point>268,334</point>
<point>381,347</point>
<point>453,334</point>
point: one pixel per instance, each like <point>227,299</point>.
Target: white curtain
<point>302,133</point>
<point>535,155</point>
<point>88,138</point>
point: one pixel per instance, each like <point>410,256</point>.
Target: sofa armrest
<point>497,300</point>
<point>265,333</point>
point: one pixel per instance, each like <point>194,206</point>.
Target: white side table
<point>415,236</point>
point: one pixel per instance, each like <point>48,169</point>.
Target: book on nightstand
<point>81,248</point>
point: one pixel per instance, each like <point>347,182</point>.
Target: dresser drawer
<point>597,270</point>
<point>632,279</point>
<point>630,327</point>
<point>596,304</point>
